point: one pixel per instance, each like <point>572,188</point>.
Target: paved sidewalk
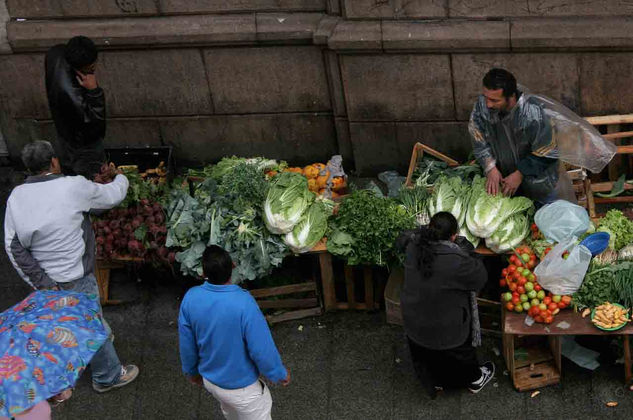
<point>344,366</point>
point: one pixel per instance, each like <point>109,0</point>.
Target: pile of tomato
<point>524,293</point>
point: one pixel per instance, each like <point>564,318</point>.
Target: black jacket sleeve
<point>468,274</point>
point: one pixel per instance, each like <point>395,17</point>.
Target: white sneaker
<point>487,373</point>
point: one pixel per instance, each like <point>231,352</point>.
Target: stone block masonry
<point>304,79</point>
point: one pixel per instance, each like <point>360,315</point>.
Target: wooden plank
<point>413,163</point>
<point>368,277</point>
<point>288,316</point>
<point>418,151</point>
<point>487,302</point>
<point>625,150</point>
<point>607,187</point>
<point>288,303</point>
<point>610,119</point>
<point>515,324</point>
<point>327,281</point>
<point>536,376</point>
<point>346,306</point>
<point>618,135</point>
<point>349,286</point>
<point>613,200</point>
<point>320,247</point>
<point>283,290</point>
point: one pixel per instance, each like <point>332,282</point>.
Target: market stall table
<point>541,370</point>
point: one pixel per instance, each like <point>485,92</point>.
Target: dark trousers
<point>451,368</point>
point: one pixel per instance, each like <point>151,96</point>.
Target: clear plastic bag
<point>564,276</point>
<point>561,220</point>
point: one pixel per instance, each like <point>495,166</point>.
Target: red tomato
<point>519,263</point>
<point>531,264</point>
<point>521,290</point>
<point>515,294</point>
<point>513,259</point>
<point>532,257</point>
<point>504,272</point>
<point>566,299</point>
<point>503,283</point>
<point>512,286</point>
<point>509,306</point>
<point>538,287</point>
<point>522,281</point>
<point>549,319</point>
<point>516,300</point>
<point>516,275</point>
<point>561,304</point>
<point>538,318</point>
<point>552,306</point>
<point>547,300</point>
<point>512,268</point>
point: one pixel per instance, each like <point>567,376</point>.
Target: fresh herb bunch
<point>606,283</point>
<point>366,227</point>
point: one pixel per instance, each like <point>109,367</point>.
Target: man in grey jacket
<point>51,244</point>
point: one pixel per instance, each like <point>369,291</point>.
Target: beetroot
<point>100,240</point>
<point>144,202</point>
<point>162,252</point>
<point>159,218</point>
<point>128,227</point>
<point>157,208</point>
<point>107,230</point>
<point>136,224</point>
<point>150,220</point>
<point>171,257</point>
<point>114,224</point>
<point>100,232</point>
<point>117,233</point>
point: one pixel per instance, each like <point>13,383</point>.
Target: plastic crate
<point>392,297</point>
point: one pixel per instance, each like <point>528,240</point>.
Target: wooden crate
<point>301,307</point>
<point>102,273</point>
<point>615,133</point>
<point>418,152</point>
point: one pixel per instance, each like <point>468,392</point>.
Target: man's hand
<point>286,382</point>
<point>493,178</point>
<point>511,183</point>
<point>195,379</point>
<point>88,81</point>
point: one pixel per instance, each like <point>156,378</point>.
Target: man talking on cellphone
<point>77,105</point>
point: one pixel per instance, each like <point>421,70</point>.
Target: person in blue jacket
<point>225,342</point>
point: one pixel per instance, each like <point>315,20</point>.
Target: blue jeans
<point>105,365</point>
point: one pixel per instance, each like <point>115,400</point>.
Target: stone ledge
<point>287,26</point>
<point>325,29</point>
<point>350,35</point>
<point>445,36</point>
<point>136,32</point>
<point>613,33</point>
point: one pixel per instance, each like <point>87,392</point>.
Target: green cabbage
<point>512,231</point>
<point>463,231</point>
<point>450,195</point>
<point>487,212</point>
<point>311,227</point>
<point>287,199</point>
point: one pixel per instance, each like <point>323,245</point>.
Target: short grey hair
<point>37,156</point>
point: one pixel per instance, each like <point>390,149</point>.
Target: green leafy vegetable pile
<point>366,227</point>
<point>429,170</point>
<point>619,227</point>
<point>226,210</point>
<point>606,283</point>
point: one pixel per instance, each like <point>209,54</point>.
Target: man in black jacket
<point>77,105</point>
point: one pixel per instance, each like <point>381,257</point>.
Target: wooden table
<point>514,325</point>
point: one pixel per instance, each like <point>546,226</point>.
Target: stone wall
<point>303,79</point>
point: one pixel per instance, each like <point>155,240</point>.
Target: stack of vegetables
<point>226,210</point>
<point>502,221</point>
<point>610,275</point>
<point>524,293</point>
<point>136,228</point>
<point>291,210</point>
<point>366,227</point>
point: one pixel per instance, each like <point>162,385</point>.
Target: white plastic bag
<point>561,220</point>
<point>564,276</point>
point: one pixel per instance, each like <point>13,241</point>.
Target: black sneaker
<point>487,373</point>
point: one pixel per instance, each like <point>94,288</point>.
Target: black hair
<point>216,265</point>
<point>80,52</point>
<point>501,79</point>
<point>442,226</point>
